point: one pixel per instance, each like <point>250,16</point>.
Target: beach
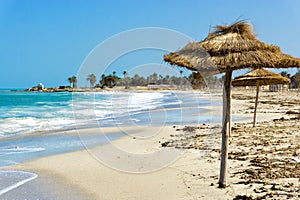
<point>179,161</point>
<point>82,171</point>
<point>105,100</point>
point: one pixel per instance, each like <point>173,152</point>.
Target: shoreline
<point>114,89</point>
<point>194,175</point>
<point>78,170</point>
<point>94,123</point>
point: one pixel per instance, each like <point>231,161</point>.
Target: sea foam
<point>13,179</point>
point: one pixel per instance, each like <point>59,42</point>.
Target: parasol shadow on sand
<point>259,77</point>
<point>226,49</point>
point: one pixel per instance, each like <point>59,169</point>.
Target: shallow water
<point>15,151</point>
<point>13,179</point>
<point>29,121</point>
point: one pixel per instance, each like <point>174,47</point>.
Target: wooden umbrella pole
<point>256,101</point>
<point>226,129</point>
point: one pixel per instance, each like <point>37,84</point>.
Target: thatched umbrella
<point>226,49</point>
<point>259,77</point>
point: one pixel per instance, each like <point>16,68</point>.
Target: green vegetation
<point>92,79</point>
<point>108,81</point>
<point>73,81</point>
<point>194,80</point>
<point>295,80</point>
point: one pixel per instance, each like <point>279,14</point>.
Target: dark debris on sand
<point>271,155</point>
<point>268,155</point>
<point>192,137</point>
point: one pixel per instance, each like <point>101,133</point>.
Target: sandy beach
<point>182,162</point>
<point>149,100</point>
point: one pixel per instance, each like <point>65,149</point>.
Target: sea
<point>23,113</point>
<point>29,121</point>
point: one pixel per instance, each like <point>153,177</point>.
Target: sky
<point>49,41</point>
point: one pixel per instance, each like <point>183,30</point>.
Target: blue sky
<point>47,41</point>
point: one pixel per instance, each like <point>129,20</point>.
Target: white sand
<point>176,181</point>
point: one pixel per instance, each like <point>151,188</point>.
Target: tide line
<point>15,185</point>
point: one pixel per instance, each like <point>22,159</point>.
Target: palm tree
<point>73,81</point>
<point>180,72</point>
<point>295,80</point>
<point>180,78</point>
<point>92,79</point>
<point>70,81</point>
<point>285,74</point>
<point>124,80</point>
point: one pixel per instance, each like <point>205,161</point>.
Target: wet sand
<point>46,186</point>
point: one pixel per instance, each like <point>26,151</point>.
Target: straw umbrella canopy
<point>230,48</point>
<point>259,77</point>
<point>226,49</point>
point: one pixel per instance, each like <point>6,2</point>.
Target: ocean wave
<point>59,111</point>
<point>7,163</point>
<point>15,126</point>
<point>18,149</point>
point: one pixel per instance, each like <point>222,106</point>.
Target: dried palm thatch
<point>258,77</point>
<point>233,46</point>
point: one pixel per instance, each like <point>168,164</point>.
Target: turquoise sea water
<point>28,112</point>
<point>36,116</point>
<point>29,121</point>
<point>23,112</point>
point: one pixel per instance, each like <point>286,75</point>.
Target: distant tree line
<point>295,79</point>
<point>195,80</point>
